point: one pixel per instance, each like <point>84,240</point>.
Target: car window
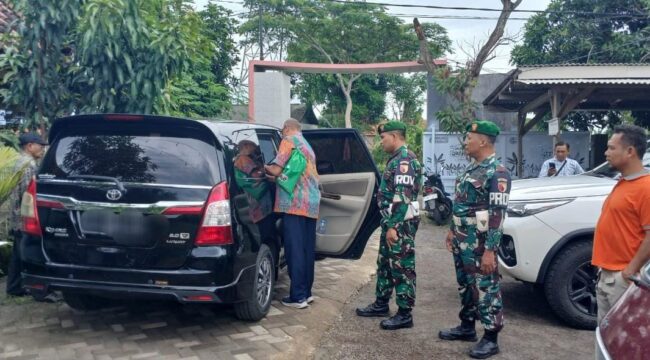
<point>176,156</point>
<point>340,153</point>
<point>268,146</point>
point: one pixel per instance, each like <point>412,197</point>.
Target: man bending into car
<point>300,211</point>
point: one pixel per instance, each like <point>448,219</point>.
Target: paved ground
<point>531,332</point>
<point>327,330</point>
<point>30,330</point>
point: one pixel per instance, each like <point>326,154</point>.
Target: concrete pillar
<point>272,97</point>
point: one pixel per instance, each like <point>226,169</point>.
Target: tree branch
<point>495,36</point>
<point>425,54</point>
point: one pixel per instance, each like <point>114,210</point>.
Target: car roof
<point>217,126</point>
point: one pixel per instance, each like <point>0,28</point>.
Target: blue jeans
<point>300,252</point>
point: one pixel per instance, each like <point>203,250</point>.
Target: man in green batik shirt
<point>480,204</point>
<point>397,201</point>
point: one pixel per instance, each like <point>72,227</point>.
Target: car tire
<point>570,286</point>
<point>83,302</point>
<point>258,305</point>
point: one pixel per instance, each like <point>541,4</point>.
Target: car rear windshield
<point>138,155</point>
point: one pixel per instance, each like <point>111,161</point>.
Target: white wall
<point>272,98</point>
<point>444,152</point>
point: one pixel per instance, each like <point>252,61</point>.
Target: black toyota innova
<point>157,207</point>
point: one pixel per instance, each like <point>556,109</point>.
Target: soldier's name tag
<point>405,174</point>
<point>404,180</point>
<point>499,199</point>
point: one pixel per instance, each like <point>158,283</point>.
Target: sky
<point>464,33</point>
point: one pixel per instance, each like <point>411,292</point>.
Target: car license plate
<point>430,197</point>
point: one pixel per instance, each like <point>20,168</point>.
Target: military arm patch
<point>405,174</point>
<point>500,185</point>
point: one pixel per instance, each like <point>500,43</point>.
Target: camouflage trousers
<point>480,293</point>
<point>396,266</point>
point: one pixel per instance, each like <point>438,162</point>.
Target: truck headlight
<point>532,207</point>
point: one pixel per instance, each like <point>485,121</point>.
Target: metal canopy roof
<point>609,87</point>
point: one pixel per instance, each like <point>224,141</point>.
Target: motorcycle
<point>437,204</point>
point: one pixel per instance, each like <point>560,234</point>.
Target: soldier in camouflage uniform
<point>397,200</point>
<point>31,149</point>
<point>480,205</point>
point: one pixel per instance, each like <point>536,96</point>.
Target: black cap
<point>31,138</point>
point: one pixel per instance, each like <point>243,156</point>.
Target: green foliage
<point>8,139</point>
<point>459,86</point>
<point>413,142</point>
<point>131,48</point>
<point>35,63</point>
<point>201,90</point>
<point>407,94</point>
<point>117,56</point>
<point>561,36</point>
<point>327,32</point>
<point>8,176</point>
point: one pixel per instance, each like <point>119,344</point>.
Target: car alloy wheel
<point>582,288</point>
<point>264,280</point>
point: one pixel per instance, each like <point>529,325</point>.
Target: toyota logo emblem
<point>113,194</point>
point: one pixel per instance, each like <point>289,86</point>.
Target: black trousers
<point>299,250</point>
<point>14,279</point>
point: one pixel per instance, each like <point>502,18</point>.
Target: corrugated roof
<point>587,81</point>
<point>583,64</point>
<point>585,74</point>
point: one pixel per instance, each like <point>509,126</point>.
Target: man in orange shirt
<point>622,239</point>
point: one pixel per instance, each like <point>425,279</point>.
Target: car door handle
<point>327,195</point>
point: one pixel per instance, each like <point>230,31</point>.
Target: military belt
<point>464,220</point>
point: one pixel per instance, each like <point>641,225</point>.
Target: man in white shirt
<point>560,165</point>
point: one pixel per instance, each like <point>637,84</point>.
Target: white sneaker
<point>310,300</point>
<point>286,301</point>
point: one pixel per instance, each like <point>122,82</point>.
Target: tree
<point>35,60</point>
<point>116,56</point>
<point>563,36</point>
<point>348,33</point>
<point>460,84</point>
<point>129,49</point>
<point>203,90</point>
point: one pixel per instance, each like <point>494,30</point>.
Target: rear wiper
<point>117,182</point>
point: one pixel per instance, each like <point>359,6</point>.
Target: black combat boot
<point>402,319</point>
<point>378,308</point>
<point>465,332</point>
<point>486,347</point>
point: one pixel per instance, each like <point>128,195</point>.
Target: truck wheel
<point>83,302</point>
<point>256,307</point>
<point>570,286</point>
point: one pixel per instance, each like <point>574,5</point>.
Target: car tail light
<point>49,204</point>
<point>183,210</point>
<point>29,211</point>
<point>215,226</point>
<point>123,117</point>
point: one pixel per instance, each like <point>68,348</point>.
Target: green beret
<point>484,127</point>
<point>392,126</point>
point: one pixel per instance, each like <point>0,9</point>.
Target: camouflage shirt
<point>27,162</point>
<point>484,186</point>
<point>400,185</point>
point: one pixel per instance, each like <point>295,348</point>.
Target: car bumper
<point>530,238</point>
<point>601,350</point>
<point>229,293</point>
